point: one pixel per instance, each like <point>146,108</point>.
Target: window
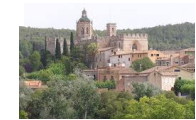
<point>134,47</point>
<point>157,54</point>
<point>129,59</point>
<point>119,45</point>
<point>82,32</point>
<point>114,65</point>
<point>108,61</point>
<point>112,29</point>
<point>118,56</point>
<point>176,70</point>
<point>111,50</point>
<point>151,54</point>
<point>94,77</point>
<point>114,53</point>
<point>167,63</point>
<point>112,77</point>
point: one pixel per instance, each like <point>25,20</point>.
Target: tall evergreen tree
<point>65,48</point>
<point>44,55</point>
<point>71,43</point>
<point>58,50</point>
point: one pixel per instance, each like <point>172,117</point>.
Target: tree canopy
<point>142,64</point>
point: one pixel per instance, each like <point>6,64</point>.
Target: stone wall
<point>51,44</point>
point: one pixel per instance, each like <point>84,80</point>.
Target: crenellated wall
<point>134,36</point>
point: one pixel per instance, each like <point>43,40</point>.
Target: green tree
<point>144,89</point>
<point>44,55</point>
<point>21,70</point>
<point>185,87</point>
<point>35,60</point>
<point>110,84</point>
<point>58,50</point>
<point>65,48</point>
<point>24,95</point>
<point>113,104</point>
<point>23,114</point>
<point>84,95</point>
<point>142,64</point>
<point>158,107</point>
<point>25,47</point>
<point>71,42</point>
<point>68,63</point>
<point>92,50</point>
<point>51,103</point>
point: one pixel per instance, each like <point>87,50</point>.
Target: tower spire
<point>84,13</point>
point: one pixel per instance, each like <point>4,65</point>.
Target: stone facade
<point>84,28</point>
<point>51,44</point>
<point>111,29</point>
<point>163,80</point>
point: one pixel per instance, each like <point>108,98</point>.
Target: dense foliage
<point>169,37</point>
<point>113,104</point>
<point>185,87</point>
<point>159,107</point>
<point>110,84</point>
<point>72,95</point>
<point>68,98</point>
<point>142,64</point>
<point>144,89</point>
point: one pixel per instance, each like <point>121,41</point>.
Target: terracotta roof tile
<point>156,68</point>
<point>168,73</point>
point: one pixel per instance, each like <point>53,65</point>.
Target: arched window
<point>134,47</point>
<point>87,30</point>
<point>82,31</point>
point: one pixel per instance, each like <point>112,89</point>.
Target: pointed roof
<point>84,17</point>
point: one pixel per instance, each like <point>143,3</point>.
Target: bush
<point>21,70</point>
<point>144,89</point>
<point>110,84</point>
<point>142,64</point>
<point>185,87</point>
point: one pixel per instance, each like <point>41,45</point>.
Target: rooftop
<point>156,68</point>
<point>105,49</point>
<point>168,73</point>
<point>189,49</point>
<point>188,65</point>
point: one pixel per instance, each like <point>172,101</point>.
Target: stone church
<point>108,45</point>
<point>84,34</point>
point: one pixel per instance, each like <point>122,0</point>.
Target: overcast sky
<point>125,15</point>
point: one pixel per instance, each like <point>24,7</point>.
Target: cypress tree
<point>65,48</point>
<point>71,42</point>
<point>44,57</point>
<point>58,50</point>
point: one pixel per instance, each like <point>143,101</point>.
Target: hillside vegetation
<point>169,37</point>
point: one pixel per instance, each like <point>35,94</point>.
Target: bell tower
<point>111,29</point>
<point>84,28</point>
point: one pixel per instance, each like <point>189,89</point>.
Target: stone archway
<point>135,46</point>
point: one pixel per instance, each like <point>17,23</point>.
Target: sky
<point>125,15</point>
